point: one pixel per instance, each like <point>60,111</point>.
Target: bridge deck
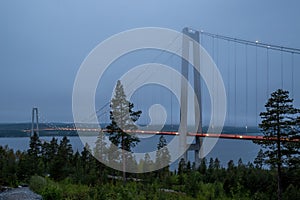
<point>208,135</point>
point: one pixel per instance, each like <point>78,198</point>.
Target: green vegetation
<point>53,170</point>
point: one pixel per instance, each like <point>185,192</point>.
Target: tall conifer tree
<point>123,119</point>
<point>278,126</point>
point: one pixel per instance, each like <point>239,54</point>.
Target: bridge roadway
<point>207,135</point>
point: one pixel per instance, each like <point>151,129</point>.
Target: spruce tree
<point>34,153</point>
<point>123,119</point>
<point>259,160</point>
<point>163,157</point>
<point>34,146</point>
<point>100,153</point>
<point>203,167</point>
<point>88,166</point>
<point>181,166</point>
<point>100,150</point>
<point>217,164</point>
<point>148,163</point>
<point>278,126</point>
<point>61,164</point>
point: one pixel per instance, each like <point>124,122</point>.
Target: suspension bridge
<point>251,70</point>
<point>172,133</point>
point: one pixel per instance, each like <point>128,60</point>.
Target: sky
<point>43,43</point>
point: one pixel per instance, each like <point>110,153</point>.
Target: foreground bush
<point>52,192</point>
<point>45,187</point>
<point>37,183</point>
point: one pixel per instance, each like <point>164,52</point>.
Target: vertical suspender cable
<point>171,97</point>
<point>267,72</point>
<point>235,106</point>
<point>217,51</point>
<point>246,72</point>
<point>200,63</point>
<point>213,71</point>
<point>213,47</point>
<point>281,66</point>
<point>228,80</point>
<point>217,61</point>
<point>292,75</point>
<point>256,79</point>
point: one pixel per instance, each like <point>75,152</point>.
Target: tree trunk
<point>123,151</point>
<point>279,187</point>
<point>123,160</point>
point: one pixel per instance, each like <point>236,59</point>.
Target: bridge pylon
<point>186,42</point>
<point>35,115</point>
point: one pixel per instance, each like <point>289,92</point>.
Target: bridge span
<point>239,136</point>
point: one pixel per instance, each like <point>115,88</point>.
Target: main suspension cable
<point>251,43</point>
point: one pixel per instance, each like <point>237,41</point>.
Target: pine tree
<point>100,150</point>
<point>181,171</point>
<point>34,146</point>
<point>211,165</point>
<point>77,174</point>
<point>34,153</point>
<point>7,167</point>
<point>181,166</point>
<point>88,166</point>
<point>203,167</point>
<point>278,122</point>
<point>259,160</point>
<point>86,158</point>
<point>163,157</point>
<point>48,152</point>
<point>217,164</point>
<point>100,153</point>
<point>230,165</point>
<point>210,171</point>
<point>61,165</point>
<point>122,118</point>
<point>148,163</point>
<point>240,163</point>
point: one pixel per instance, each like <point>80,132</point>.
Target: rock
<point>23,193</point>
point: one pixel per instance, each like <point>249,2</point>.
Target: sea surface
<point>225,149</point>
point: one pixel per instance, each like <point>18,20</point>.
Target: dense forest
<point>56,172</point>
<point>53,170</point>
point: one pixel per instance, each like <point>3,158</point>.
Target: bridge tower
<point>186,42</point>
<point>35,115</point>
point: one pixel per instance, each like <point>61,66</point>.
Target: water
<point>224,150</point>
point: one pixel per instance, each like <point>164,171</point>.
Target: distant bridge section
<point>174,133</point>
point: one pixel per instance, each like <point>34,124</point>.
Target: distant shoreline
<point>24,129</point>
